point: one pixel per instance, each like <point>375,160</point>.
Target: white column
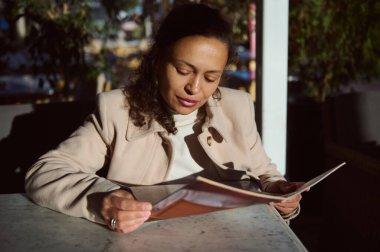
<point>274,79</point>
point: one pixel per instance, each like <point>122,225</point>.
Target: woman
<point>172,123</point>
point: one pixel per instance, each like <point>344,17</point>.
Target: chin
<point>185,110</point>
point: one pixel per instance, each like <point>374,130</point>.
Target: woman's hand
<point>128,212</point>
<point>286,206</point>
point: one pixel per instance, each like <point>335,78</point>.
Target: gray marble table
<point>27,227</point>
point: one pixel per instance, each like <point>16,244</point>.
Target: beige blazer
<point>64,179</point>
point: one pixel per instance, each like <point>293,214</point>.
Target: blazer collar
<point>134,132</point>
<point>214,119</point>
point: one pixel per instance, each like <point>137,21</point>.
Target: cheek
<point>169,89</point>
<point>209,89</point>
<point>173,81</point>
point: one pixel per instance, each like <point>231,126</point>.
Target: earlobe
<point>217,95</point>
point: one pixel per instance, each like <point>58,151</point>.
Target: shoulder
<point>235,107</point>
<point>112,105</point>
<point>233,114</point>
<point>114,99</point>
<point>233,99</point>
<point>111,114</point>
<point>232,93</point>
<point>114,96</point>
<point>233,96</point>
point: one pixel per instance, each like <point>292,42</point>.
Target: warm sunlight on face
<point>191,72</point>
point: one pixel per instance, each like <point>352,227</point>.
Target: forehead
<point>202,52</point>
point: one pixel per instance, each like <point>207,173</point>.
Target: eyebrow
<point>194,67</point>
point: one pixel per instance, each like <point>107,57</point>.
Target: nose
<point>193,85</point>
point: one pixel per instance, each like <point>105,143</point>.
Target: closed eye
<point>182,71</point>
<point>211,78</point>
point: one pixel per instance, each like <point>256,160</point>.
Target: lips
<point>187,102</point>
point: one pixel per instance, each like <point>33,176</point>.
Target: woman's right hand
<point>128,212</point>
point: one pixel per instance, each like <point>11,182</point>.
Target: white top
<point>182,164</point>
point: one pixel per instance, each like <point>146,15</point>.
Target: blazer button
<point>209,140</point>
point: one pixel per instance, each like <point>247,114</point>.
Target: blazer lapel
<point>134,132</point>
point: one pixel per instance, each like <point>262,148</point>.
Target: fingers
<point>124,200</point>
<point>298,184</point>
<point>129,204</point>
<point>282,186</point>
<point>289,205</point>
<point>128,212</point>
<point>128,224</point>
<point>129,227</point>
<point>123,194</point>
<point>288,187</point>
<point>131,215</point>
<point>284,210</point>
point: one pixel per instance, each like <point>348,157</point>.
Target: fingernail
<point>147,214</point>
<point>147,207</point>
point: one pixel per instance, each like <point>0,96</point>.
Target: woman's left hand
<point>286,206</point>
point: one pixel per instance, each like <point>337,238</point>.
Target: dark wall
<point>32,134</point>
<point>305,149</point>
<point>341,213</point>
<point>352,208</point>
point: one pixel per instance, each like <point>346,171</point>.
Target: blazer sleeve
<point>264,167</point>
<point>261,163</point>
<point>65,180</point>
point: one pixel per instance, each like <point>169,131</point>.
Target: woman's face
<point>191,72</point>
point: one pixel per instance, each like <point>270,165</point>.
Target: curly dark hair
<point>143,97</point>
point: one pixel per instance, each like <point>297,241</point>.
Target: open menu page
<point>205,195</point>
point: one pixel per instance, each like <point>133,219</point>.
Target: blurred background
<point>55,56</point>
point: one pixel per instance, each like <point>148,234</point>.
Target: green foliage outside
<point>238,14</point>
<point>58,32</point>
<point>332,43</point>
